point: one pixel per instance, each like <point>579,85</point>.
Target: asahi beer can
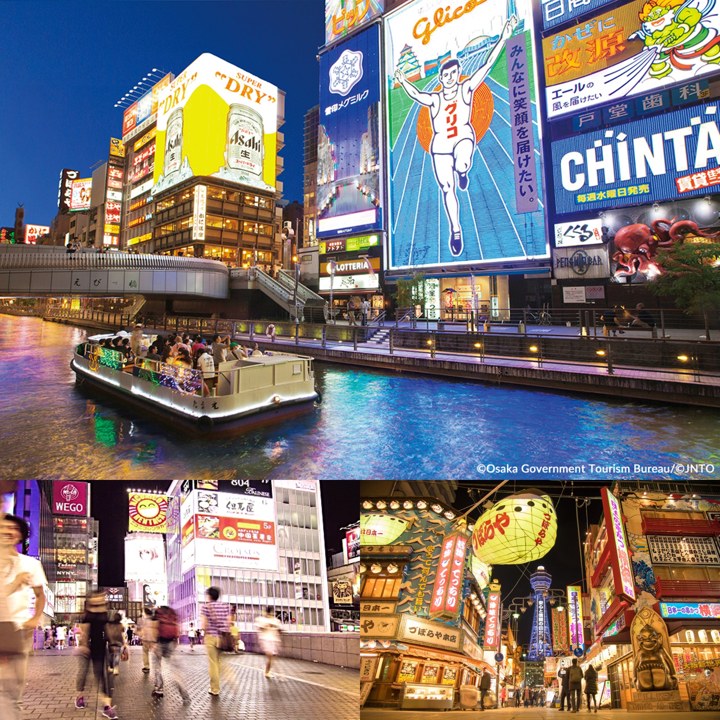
<point>244,150</point>
<point>173,142</point>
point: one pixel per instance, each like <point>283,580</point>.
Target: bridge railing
<point>106,261</point>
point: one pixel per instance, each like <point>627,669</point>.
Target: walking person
<point>564,689</point>
<point>92,651</point>
<point>18,572</point>
<point>269,629</point>
<point>148,633</point>
<point>168,632</point>
<point>192,635</point>
<point>576,675</point>
<point>591,686</point>
<point>116,642</point>
<point>215,618</point>
<point>485,682</point>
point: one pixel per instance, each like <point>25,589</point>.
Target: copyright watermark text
<point>676,469</point>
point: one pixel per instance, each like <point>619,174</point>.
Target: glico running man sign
<point>462,136</point>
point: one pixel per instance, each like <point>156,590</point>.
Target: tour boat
<point>250,392</point>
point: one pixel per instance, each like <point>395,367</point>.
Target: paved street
<point>527,714</point>
<point>300,690</point>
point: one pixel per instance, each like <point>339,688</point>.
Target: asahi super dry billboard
<point>218,120</point>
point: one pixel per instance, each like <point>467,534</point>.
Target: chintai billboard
<point>348,192</point>
<point>462,137</point>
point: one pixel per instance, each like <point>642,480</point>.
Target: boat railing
<point>188,381</point>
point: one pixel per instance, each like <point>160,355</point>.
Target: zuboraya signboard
<point>669,156</point>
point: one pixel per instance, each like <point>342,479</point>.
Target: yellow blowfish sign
<point>376,529</point>
<point>518,529</point>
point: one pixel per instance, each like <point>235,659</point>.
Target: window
<point>380,587</point>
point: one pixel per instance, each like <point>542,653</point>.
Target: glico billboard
<point>348,193</point>
<point>218,120</point>
<point>463,149</point>
<point>640,47</point>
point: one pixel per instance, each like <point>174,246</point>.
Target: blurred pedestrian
<point>168,633</point>
<point>269,629</point>
<point>91,650</point>
<point>215,616</point>
<point>116,642</point>
<point>192,636</point>
<point>148,633</point>
<point>485,682</point>
<point>17,573</point>
<point>591,686</point>
<point>564,689</point>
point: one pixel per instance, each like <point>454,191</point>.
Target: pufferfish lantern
<point>518,529</point>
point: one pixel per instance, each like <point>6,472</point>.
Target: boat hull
<point>204,420</point>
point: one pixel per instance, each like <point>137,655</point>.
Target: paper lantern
<point>376,529</point>
<point>518,529</point>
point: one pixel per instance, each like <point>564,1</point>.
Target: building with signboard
<point>631,138</point>
<point>260,542</point>
<point>427,624</point>
<point>663,551</point>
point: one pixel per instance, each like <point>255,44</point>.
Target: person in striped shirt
<point>215,620</point>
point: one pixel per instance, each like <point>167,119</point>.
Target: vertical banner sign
<point>492,622</point>
<point>619,556</point>
<point>575,625</point>
<point>523,141</point>
<point>449,577</point>
<point>348,194</point>
<point>559,631</point>
<point>199,210</point>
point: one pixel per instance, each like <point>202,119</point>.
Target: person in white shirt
<point>206,365</point>
<point>19,574</point>
<point>269,629</point>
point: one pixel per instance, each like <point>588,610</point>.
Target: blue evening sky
<point>66,63</point>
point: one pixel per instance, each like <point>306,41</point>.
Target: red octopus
<point>637,245</point>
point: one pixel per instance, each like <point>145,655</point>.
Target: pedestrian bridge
<point>37,271</point>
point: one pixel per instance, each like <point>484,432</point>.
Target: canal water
<point>371,425</point>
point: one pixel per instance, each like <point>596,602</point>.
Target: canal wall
<point>552,371</point>
<point>622,386</point>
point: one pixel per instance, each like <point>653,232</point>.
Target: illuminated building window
<point>380,587</point>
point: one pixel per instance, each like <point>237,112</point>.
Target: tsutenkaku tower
<point>540,644</point>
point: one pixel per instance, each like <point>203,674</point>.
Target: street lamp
<point>297,282</point>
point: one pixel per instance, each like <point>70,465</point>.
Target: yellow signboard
<point>148,512</point>
<point>216,120</point>
<point>117,149</point>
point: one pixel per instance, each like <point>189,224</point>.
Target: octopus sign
<point>519,529</point>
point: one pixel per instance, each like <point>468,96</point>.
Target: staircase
<point>380,339</point>
<point>281,290</point>
<point>136,307</point>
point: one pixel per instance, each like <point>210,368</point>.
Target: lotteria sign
<point>692,610</point>
<point>619,556</point>
<point>70,498</point>
<point>667,156</point>
<point>449,577</point>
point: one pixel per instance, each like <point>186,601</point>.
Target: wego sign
<point>70,498</point>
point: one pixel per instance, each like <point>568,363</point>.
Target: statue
<point>654,669</point>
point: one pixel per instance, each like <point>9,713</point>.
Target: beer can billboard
<point>458,162</point>
<point>216,120</point>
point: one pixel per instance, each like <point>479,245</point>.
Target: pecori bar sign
<point>449,576</point>
<point>619,556</point>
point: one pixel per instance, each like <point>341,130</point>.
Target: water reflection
<point>370,425</point>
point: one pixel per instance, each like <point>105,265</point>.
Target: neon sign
<point>449,576</point>
<point>492,622</point>
<point>619,556</point>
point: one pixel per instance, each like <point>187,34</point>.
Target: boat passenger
<point>136,338</point>
<point>206,365</point>
<point>154,351</point>
<point>257,352</point>
<point>237,351</point>
<point>219,348</point>
<point>182,359</point>
<point>198,342</point>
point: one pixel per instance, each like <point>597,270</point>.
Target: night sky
<point>109,505</point>
<point>65,64</point>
